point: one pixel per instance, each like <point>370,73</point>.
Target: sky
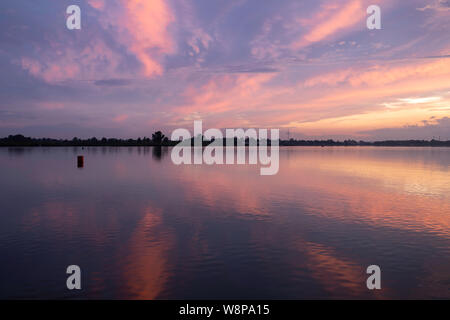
<point>311,68</point>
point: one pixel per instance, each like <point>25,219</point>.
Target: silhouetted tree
<point>157,138</point>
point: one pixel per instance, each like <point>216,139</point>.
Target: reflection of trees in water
<point>19,151</point>
<point>159,152</point>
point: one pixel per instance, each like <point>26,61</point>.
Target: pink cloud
<point>120,118</point>
<point>261,100</point>
<point>69,63</point>
<point>141,26</point>
<point>382,75</point>
<point>222,94</point>
<point>97,4</point>
<point>147,22</point>
<point>331,19</point>
<point>51,72</point>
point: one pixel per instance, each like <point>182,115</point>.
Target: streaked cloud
<point>120,118</point>
<point>420,100</point>
<point>426,129</point>
<point>147,22</point>
<point>331,18</point>
<point>113,82</point>
<point>439,5</point>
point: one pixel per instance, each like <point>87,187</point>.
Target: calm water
<point>141,227</point>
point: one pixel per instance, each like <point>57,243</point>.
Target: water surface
<point>142,228</point>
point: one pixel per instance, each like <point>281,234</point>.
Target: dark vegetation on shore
<point>158,139</point>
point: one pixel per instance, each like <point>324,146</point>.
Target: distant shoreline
<point>21,141</point>
<point>170,146</point>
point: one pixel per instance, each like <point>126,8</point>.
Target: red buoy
<point>80,162</point>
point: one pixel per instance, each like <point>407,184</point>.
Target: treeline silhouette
<point>386,143</point>
<point>159,139</point>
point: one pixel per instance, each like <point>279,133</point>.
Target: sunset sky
<point>311,67</point>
